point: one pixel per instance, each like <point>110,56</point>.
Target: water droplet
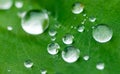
<point>53,48</point>
<point>6,4</point>
<point>9,70</point>
<point>77,8</point>
<point>84,14</point>
<point>102,33</point>
<point>43,71</point>
<point>70,54</point>
<point>68,39</point>
<point>92,19</point>
<point>53,38</point>
<point>19,4</point>
<point>100,66</point>
<point>57,25</point>
<point>86,57</point>
<point>81,28</point>
<point>9,28</point>
<point>35,22</point>
<point>28,64</point>
<point>52,32</point>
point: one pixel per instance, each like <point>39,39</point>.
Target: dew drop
<point>53,48</point>
<point>68,39</point>
<point>43,71</point>
<point>81,28</point>
<point>18,4</point>
<point>70,54</point>
<point>21,14</point>
<point>52,32</point>
<point>6,4</point>
<point>102,33</point>
<point>77,8</point>
<point>92,19</point>
<point>53,38</point>
<point>28,64</point>
<point>9,28</point>
<point>100,66</point>
<point>86,57</point>
<point>35,22</point>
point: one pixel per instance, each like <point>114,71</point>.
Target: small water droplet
<point>52,32</point>
<point>53,38</point>
<point>6,4</point>
<point>70,54</point>
<point>77,8</point>
<point>9,70</point>
<point>53,48</point>
<point>86,57</point>
<point>28,64</point>
<point>84,14</point>
<point>35,22</point>
<point>92,19</point>
<point>9,28</point>
<point>100,66</point>
<point>102,33</point>
<point>43,71</point>
<point>68,39</point>
<point>81,28</point>
<point>57,25</point>
<point>18,4</point>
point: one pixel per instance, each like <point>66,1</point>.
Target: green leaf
<point>17,46</point>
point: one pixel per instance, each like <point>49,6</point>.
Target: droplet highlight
<point>28,64</point>
<point>100,66</point>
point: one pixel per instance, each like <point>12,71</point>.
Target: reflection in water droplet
<point>6,4</point>
<point>9,28</point>
<point>52,32</point>
<point>53,48</point>
<point>100,66</point>
<point>70,54</point>
<point>21,14</point>
<point>81,28</point>
<point>92,19</point>
<point>19,4</point>
<point>102,33</point>
<point>77,8</point>
<point>35,22</point>
<point>28,64</point>
<point>68,39</point>
<point>86,57</point>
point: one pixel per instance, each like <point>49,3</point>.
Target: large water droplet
<point>102,33</point>
<point>52,32</point>
<point>77,8</point>
<point>70,54</point>
<point>68,39</point>
<point>53,48</point>
<point>19,4</point>
<point>81,28</point>
<point>100,66</point>
<point>28,63</point>
<point>35,22</point>
<point>6,4</point>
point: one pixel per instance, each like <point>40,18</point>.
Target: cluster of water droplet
<point>36,22</point>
